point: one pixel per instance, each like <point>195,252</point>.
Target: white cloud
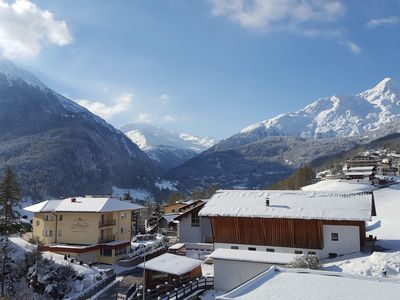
<point>25,29</point>
<point>268,15</point>
<point>356,49</point>
<point>144,118</point>
<point>383,21</point>
<point>121,104</point>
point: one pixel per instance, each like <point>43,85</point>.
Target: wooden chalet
<point>323,223</point>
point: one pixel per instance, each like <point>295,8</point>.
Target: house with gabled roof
<point>326,224</point>
<point>91,229</point>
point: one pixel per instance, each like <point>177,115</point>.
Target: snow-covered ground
<point>166,185</point>
<point>92,275</point>
<point>386,227</point>
<point>211,294</point>
<point>207,269</point>
<point>139,194</point>
<point>339,186</point>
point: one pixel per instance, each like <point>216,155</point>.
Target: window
<point>173,210</point>
<point>48,232</point>
<point>270,250</point>
<point>59,233</point>
<point>195,220</point>
<point>120,251</point>
<point>298,252</point>
<point>122,230</point>
<point>106,252</point>
<point>334,236</point>
<point>37,223</point>
<point>123,215</point>
<point>252,249</point>
<point>332,255</point>
<point>311,253</point>
<point>235,247</point>
<point>60,217</point>
<point>46,217</point>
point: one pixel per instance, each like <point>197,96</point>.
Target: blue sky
<point>207,67</point>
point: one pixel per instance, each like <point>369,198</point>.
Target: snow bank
<point>372,265</point>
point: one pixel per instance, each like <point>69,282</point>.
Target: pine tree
<point>127,196</point>
<point>7,276</point>
<point>156,214</point>
<point>9,196</point>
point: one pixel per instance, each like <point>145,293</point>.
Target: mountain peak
<point>13,72</point>
<point>336,116</point>
<point>386,84</point>
<point>388,89</point>
<point>149,137</point>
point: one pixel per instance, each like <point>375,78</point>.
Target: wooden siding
<point>294,233</point>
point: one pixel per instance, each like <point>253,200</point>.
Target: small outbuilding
<point>170,267</point>
<point>234,267</point>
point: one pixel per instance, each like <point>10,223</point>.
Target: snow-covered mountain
<point>57,147</point>
<point>167,148</point>
<point>336,116</point>
<point>268,151</point>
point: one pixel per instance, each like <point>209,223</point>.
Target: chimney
<point>73,199</point>
<point>267,202</point>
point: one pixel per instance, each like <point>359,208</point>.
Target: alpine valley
<point>58,148</point>
<point>268,151</point>
<point>165,148</point>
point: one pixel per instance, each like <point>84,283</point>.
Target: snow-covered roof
<point>364,173</point>
<point>290,205</point>
<point>313,285</point>
<point>171,264</point>
<point>339,185</point>
<point>169,217</point>
<point>253,256</point>
<point>361,168</point>
<point>177,246</point>
<point>82,204</point>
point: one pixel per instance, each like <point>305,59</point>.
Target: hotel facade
<point>89,229</point>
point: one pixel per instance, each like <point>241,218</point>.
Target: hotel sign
<point>79,225</point>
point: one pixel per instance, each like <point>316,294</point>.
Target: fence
<point>178,293</point>
<point>96,288</point>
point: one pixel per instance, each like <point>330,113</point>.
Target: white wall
<point>349,242</point>
<point>229,274</point>
<point>189,234</point>
<point>349,239</point>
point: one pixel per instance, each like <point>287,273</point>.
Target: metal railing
<point>181,292</point>
<point>107,238</point>
<point>96,288</point>
<point>106,223</point>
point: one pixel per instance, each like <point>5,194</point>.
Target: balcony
<point>107,238</point>
<point>106,223</point>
